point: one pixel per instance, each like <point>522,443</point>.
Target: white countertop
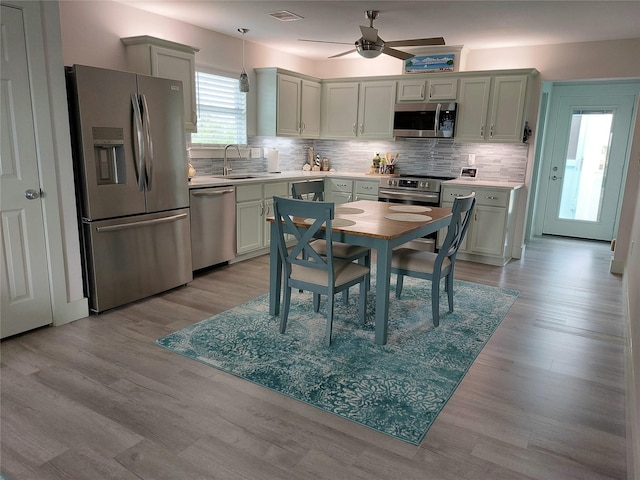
<point>484,183</point>
<point>200,181</point>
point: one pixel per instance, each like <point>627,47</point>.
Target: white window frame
<point>242,138</point>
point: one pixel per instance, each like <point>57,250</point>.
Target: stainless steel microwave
<point>424,120</point>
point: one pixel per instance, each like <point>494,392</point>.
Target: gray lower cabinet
<point>344,190</point>
<point>490,235</point>
<point>254,203</point>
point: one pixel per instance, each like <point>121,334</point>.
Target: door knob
<point>555,178</point>
<point>32,194</point>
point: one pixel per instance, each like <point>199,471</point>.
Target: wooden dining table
<point>378,225</point>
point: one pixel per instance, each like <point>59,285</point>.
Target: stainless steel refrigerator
<point>131,178</point>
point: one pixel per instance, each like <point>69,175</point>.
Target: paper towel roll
<point>273,161</point>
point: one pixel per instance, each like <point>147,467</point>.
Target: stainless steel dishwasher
<point>213,225</point>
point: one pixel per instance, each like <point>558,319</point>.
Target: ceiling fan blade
<point>324,41</point>
<point>343,53</point>
<point>416,42</point>
<point>397,53</point>
<point>370,34</point>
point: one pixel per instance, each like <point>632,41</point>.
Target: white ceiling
<point>474,24</point>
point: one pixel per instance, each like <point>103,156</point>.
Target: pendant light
<point>244,79</point>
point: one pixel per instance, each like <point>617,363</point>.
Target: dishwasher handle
<point>211,193</point>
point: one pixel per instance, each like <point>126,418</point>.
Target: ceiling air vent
<point>285,16</point>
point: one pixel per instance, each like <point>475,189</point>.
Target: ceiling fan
<point>370,45</point>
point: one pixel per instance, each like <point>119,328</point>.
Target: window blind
<point>222,111</point>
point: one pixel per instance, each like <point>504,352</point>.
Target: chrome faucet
<point>226,170</point>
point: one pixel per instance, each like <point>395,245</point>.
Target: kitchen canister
<point>273,161</point>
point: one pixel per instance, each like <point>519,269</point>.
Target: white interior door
<point>586,160</point>
<point>26,298</point>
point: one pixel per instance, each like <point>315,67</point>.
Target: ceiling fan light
<point>368,50</point>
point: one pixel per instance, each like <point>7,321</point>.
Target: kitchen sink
<point>236,177</point>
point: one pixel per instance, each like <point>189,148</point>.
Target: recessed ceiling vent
<point>286,16</point>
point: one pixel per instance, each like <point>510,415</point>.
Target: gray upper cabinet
<point>162,58</point>
<point>492,109</point>
<point>427,90</point>
<point>358,110</point>
<point>288,104</point>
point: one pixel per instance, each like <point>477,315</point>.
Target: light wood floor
<point>97,399</point>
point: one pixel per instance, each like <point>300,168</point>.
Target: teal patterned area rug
<point>397,389</point>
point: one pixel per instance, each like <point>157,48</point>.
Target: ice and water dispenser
<point>108,147</point>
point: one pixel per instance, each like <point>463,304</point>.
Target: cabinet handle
<point>491,131</point>
<point>362,128</point>
<point>482,130</point>
<point>422,92</point>
<point>491,198</point>
<point>355,129</point>
<point>262,209</point>
<point>365,187</point>
<point>430,90</point>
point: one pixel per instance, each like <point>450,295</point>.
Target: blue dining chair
<point>305,268</point>
<point>314,191</point>
<point>436,266</point>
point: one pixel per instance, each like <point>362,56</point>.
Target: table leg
<point>383,279</point>
<point>275,273</point>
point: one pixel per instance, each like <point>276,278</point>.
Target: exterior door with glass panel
<point>587,161</point>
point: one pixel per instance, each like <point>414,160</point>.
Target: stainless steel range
<point>414,190</point>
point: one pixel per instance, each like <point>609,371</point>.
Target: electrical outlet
<point>256,152</point>
<point>471,160</point>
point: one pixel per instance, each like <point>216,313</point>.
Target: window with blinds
<point>222,111</point>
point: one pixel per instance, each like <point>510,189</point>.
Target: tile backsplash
<point>500,162</point>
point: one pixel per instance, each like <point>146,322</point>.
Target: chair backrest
<point>317,215</point>
<point>461,215</point>
<point>306,188</point>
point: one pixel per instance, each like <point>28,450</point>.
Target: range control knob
<point>421,184</point>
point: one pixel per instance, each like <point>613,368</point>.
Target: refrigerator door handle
<point>146,121</point>
<point>138,141</point>
<point>155,221</point>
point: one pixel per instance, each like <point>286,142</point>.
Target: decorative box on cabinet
<point>288,104</point>
<point>426,90</point>
<point>358,110</point>
<point>162,58</point>
<point>489,238</point>
<point>492,109</point>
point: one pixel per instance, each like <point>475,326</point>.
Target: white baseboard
<point>631,389</point>
<point>616,267</point>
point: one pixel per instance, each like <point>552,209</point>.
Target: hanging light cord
<point>244,79</point>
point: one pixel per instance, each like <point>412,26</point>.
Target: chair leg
<point>449,283</point>
<point>327,337</point>
<point>345,296</point>
<point>435,300</point>
<point>316,302</point>
<point>284,315</point>
<point>399,284</point>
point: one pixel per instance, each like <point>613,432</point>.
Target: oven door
<point>426,199</point>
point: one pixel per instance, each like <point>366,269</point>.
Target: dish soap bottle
<point>376,163</point>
